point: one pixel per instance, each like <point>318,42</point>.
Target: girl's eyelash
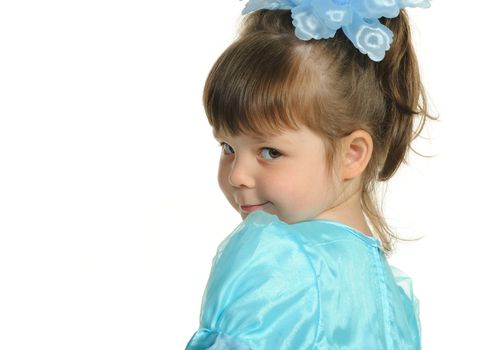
<point>221,144</point>
<point>279,154</point>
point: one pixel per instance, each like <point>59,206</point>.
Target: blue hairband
<point>317,19</point>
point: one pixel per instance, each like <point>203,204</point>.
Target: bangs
<point>255,87</point>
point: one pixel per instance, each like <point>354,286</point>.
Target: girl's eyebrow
<point>273,139</point>
<point>260,138</point>
<point>216,136</point>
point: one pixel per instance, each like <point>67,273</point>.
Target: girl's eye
<point>270,153</point>
<point>226,148</point>
<point>267,152</point>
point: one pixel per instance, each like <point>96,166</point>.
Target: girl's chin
<point>244,214</point>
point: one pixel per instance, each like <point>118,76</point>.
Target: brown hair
<point>268,80</point>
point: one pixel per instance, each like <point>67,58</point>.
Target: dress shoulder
<point>261,293</point>
<point>311,285</point>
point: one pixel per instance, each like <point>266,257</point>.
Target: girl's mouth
<point>250,208</point>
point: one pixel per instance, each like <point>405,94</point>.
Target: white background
<point>110,212</point>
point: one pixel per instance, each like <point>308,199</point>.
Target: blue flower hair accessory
<point>359,19</point>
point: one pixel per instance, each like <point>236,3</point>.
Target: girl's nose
<point>241,175</point>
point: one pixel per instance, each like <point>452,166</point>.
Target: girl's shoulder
<point>331,259</point>
<point>260,281</point>
<point>307,281</point>
<point>312,237</point>
<point>262,244</point>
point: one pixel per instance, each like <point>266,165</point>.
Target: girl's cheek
<point>221,172</point>
<point>222,177</point>
<point>280,180</point>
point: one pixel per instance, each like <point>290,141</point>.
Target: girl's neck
<point>349,212</point>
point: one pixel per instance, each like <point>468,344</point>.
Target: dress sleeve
<point>411,302</point>
<point>261,293</point>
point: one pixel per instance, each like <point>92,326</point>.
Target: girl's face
<point>285,175</point>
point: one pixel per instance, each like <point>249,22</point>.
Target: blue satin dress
<point>316,284</point>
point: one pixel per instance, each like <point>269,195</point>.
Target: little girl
<point>310,118</point>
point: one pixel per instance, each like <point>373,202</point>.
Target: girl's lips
<point>250,208</point>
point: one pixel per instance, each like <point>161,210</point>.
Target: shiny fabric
<point>316,284</point>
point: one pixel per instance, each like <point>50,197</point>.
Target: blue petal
<point>414,3</point>
<point>376,8</point>
<point>369,36</point>
<point>341,2</point>
<point>309,23</point>
<point>335,14</point>
<point>254,5</point>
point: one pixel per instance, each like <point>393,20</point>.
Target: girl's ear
<point>356,151</point>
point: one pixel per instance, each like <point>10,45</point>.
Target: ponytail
<point>405,98</point>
